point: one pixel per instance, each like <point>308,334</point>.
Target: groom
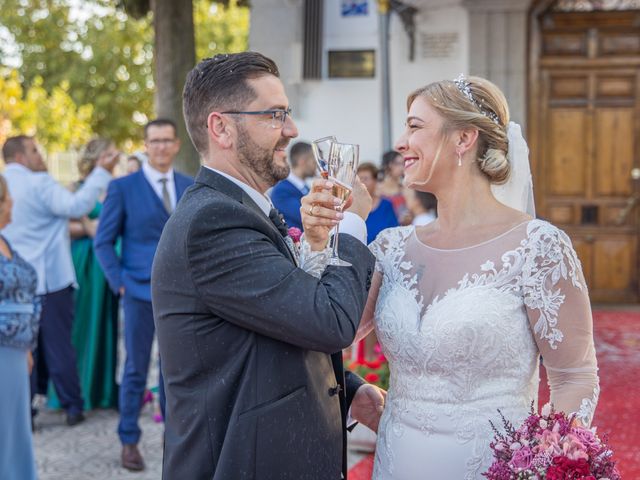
<point>251,343</point>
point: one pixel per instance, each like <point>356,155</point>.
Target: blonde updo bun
<point>488,113</point>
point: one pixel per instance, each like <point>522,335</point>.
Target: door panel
<point>613,131</point>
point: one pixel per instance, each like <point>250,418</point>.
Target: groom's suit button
<point>334,390</point>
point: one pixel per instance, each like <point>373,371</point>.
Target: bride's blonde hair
<point>477,103</point>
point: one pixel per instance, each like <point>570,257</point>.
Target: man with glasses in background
<point>136,208</point>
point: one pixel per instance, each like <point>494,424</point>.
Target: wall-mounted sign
<point>439,45</point>
<point>352,63</point>
<point>351,8</point>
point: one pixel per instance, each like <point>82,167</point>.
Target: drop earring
<point>459,159</point>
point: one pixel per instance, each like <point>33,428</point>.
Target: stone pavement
<point>91,450</point>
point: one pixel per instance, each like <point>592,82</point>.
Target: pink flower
<point>522,458</point>
<point>295,234</point>
<point>573,449</point>
<point>549,442</point>
<point>587,438</point>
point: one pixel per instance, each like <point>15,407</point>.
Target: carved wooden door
<point>584,114</point>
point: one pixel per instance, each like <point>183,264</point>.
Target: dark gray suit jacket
<point>250,344</point>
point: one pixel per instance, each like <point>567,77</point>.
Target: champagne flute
<point>321,148</point>
<point>342,167</point>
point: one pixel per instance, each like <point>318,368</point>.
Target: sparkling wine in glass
<point>342,167</point>
<point>321,149</point>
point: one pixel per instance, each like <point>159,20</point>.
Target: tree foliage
<point>98,55</point>
<point>53,116</point>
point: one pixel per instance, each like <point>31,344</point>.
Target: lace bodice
<point>464,330</point>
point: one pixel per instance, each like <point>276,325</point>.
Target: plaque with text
<point>352,64</point>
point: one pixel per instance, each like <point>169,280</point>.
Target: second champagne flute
<point>321,148</point>
<point>342,167</point>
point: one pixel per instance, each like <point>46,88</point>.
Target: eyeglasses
<point>278,116</point>
<point>157,142</point>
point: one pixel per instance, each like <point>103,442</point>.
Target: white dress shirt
<point>41,211</point>
<point>351,224</point>
<point>297,182</point>
<point>154,177</point>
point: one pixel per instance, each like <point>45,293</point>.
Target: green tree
<point>104,57</point>
<point>52,116</point>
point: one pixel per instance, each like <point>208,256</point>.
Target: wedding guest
<point>287,194</point>
<point>19,314</point>
<point>390,186</point>
<point>382,214</point>
<point>40,234</point>
<point>134,163</point>
<point>95,328</point>
<point>135,211</point>
<point>422,206</point>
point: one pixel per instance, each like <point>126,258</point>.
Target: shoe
<point>74,419</point>
<point>131,458</point>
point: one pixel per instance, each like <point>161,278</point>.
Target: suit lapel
<point>216,181</point>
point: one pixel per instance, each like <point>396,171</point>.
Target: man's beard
<point>260,159</point>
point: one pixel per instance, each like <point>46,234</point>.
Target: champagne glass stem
<point>336,237</point>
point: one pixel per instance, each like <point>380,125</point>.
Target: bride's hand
<point>368,404</point>
<point>319,215</point>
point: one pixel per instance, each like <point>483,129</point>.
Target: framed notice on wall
<point>352,8</point>
<point>352,63</point>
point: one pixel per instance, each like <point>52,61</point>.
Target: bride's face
<point>424,148</point>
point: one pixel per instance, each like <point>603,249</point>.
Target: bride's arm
<point>559,310</point>
<point>367,323</point>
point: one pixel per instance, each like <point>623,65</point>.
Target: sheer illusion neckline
<point>461,249</point>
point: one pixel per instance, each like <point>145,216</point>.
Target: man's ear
<point>220,130</point>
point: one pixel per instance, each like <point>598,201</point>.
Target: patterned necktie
<point>166,199</point>
<point>278,220</point>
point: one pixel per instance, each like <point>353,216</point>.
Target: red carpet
<point>617,337</point>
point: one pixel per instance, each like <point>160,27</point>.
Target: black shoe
<point>75,418</point>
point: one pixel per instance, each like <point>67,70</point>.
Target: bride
<point>465,307</point>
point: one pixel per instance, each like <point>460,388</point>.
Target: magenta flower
<point>295,234</point>
<point>522,459</point>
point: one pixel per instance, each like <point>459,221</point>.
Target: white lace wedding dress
<point>463,331</point>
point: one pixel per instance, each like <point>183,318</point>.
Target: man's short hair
<point>13,146</point>
<point>161,122</point>
<point>298,150</point>
<point>217,84</point>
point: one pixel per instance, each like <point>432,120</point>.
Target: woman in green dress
<point>95,328</point>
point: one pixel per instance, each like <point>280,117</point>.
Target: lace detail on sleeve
<point>588,407</point>
<point>551,259</point>
<point>313,262</point>
<point>388,247</point>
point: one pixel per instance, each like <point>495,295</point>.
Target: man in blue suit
<point>135,209</point>
<point>287,195</point>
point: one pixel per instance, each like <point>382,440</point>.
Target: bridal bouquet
<point>548,447</point>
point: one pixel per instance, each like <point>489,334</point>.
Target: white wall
<point>350,109</point>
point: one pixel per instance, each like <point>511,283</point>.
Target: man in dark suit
<point>287,194</point>
<point>251,343</point>
<point>136,209</point>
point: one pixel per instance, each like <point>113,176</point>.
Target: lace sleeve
<point>313,262</point>
<point>558,308</point>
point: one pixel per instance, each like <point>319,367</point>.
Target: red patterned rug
<point>618,346</point>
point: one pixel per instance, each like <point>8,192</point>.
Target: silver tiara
<point>465,88</point>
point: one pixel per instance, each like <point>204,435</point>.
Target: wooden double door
<point>584,126</point>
